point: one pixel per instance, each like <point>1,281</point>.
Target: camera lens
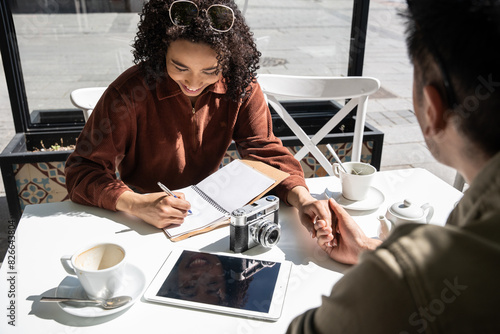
<point>268,234</point>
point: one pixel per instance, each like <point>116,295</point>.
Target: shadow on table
<point>52,311</point>
<point>295,242</point>
<point>221,245</point>
<point>299,247</point>
<point>73,210</point>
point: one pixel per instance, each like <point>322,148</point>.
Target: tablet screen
<point>241,283</point>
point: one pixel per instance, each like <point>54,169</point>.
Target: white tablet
<point>231,284</point>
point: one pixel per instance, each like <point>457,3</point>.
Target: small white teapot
<point>406,212</point>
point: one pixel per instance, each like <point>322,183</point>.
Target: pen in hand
<point>168,192</point>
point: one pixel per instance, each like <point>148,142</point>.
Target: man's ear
<point>435,111</point>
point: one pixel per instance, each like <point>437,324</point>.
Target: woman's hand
<point>350,241</point>
<point>310,209</point>
<point>157,209</point>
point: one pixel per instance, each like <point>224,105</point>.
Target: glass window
<point>70,44</point>
<point>302,37</point>
<point>65,45</point>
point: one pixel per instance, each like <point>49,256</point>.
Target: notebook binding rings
<point>210,200</point>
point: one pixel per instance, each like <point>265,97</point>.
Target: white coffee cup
<point>99,267</point>
<point>356,182</point>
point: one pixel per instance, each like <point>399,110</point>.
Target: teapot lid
<point>406,209</point>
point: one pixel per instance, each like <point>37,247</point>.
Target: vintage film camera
<point>255,224</point>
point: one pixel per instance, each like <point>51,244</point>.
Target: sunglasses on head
<point>183,12</point>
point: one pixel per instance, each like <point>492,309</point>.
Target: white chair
<point>86,99</point>
<point>357,89</point>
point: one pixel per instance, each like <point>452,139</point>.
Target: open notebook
<point>214,198</point>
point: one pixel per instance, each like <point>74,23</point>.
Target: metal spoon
<point>330,148</point>
<point>106,304</point>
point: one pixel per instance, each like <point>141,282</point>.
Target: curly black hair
<point>236,50</point>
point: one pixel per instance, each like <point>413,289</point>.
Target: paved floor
<point>390,109</point>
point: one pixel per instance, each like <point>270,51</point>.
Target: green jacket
<point>424,278</point>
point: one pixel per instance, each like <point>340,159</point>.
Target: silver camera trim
<point>262,207</point>
<point>256,218</point>
<point>266,228</point>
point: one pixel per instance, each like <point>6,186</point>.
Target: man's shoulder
<point>426,255</point>
<point>425,241</point>
<point>448,269</point>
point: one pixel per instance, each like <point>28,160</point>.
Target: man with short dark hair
<point>428,278</point>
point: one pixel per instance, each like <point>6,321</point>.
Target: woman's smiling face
<point>193,66</point>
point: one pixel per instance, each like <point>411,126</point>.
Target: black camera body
<point>255,224</point>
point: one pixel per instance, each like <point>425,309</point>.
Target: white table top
<point>48,231</point>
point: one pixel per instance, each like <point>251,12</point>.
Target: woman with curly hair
<point>172,116</point>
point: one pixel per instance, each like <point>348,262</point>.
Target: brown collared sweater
<point>152,133</point>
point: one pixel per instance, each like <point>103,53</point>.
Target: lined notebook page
<point>231,187</point>
<point>203,214</point>
<point>235,185</point>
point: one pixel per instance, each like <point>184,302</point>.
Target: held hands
<point>157,209</point>
<point>349,239</point>
<point>309,214</point>
<point>309,208</point>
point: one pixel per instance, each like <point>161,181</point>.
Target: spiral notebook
<point>214,198</point>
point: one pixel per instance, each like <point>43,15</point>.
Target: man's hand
<point>349,241</point>
<point>157,209</point>
<point>310,209</point>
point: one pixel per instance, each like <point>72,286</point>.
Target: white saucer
<point>373,200</point>
<point>133,285</point>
